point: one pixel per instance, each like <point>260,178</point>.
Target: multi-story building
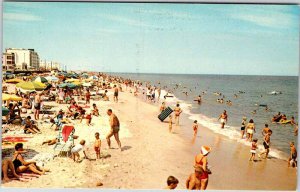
<point>25,59</point>
<point>8,62</point>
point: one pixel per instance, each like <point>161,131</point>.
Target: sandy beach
<point>151,154</point>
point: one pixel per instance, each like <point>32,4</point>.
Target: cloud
<point>272,19</point>
<point>20,17</point>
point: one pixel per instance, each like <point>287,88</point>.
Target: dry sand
<point>150,154</point>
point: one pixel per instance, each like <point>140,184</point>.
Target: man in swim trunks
<point>37,105</point>
<point>114,128</point>
<point>116,93</point>
<point>223,118</point>
<point>267,143</point>
<point>293,155</point>
<point>194,182</point>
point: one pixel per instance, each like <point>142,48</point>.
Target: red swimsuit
<point>205,174</point>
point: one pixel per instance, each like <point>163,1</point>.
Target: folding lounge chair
<point>66,140</point>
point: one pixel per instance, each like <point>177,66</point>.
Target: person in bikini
<point>253,150</point>
<point>114,128</point>
<point>250,129</point>
<point>223,117</point>
<point>97,145</point>
<point>177,111</point>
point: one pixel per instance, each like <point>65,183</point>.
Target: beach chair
<point>66,140</point>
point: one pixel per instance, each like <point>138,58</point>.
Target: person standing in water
<point>243,127</point>
<point>266,143</point>
<point>293,155</point>
<point>223,117</point>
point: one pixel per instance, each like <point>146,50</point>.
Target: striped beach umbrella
<point>31,86</point>
<point>72,80</point>
<point>40,79</point>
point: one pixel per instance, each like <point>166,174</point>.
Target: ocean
<point>251,92</point>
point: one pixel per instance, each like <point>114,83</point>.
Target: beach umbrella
<point>40,79</point>
<point>77,83</point>
<point>14,81</point>
<point>31,86</point>
<point>8,97</point>
<point>5,111</point>
<point>93,77</point>
<point>52,78</point>
<point>87,84</point>
<point>72,80</point>
<point>70,85</point>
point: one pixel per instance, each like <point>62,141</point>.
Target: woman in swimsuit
<point>250,129</point>
<point>8,164</point>
<point>201,160</point>
<point>177,111</point>
<point>21,165</point>
<point>243,127</point>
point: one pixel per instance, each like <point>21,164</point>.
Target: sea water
<point>251,92</point>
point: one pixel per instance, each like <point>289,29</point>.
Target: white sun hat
<point>205,150</point>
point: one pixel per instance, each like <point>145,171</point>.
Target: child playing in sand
<point>195,128</point>
<point>76,149</point>
<point>97,145</point>
<point>172,182</point>
<point>253,149</point>
<point>170,123</point>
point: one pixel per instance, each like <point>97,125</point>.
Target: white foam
<point>229,131</point>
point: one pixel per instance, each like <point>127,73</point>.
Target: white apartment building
<point>25,59</point>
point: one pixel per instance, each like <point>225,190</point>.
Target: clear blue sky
<point>158,38</point>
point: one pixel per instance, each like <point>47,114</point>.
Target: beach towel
<point>67,130</point>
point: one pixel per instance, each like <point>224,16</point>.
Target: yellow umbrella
<point>32,86</point>
<point>7,97</point>
<point>77,83</point>
<point>72,80</point>
<point>14,81</point>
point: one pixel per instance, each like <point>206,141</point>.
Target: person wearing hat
<point>201,160</point>
<point>243,127</point>
<point>194,180</point>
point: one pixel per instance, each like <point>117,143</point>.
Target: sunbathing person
<point>51,142</point>
<point>57,119</point>
<point>21,165</point>
<point>25,103</point>
<point>8,164</point>
<point>29,126</point>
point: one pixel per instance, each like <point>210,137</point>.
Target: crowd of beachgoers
<point>25,106</point>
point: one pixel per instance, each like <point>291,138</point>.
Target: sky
<point>158,38</point>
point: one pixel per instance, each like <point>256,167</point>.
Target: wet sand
<point>150,154</point>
